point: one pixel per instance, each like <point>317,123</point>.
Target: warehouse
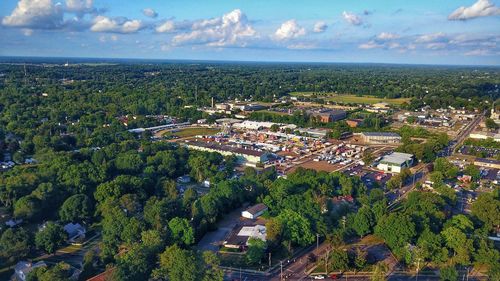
<point>248,157</point>
<point>487,163</point>
<point>395,162</point>
<point>380,137</point>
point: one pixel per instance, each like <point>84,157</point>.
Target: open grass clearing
<point>190,132</point>
<point>352,98</point>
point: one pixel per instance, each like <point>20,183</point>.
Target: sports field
<point>190,132</point>
<point>351,98</point>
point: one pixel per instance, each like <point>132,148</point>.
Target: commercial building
<point>485,135</point>
<point>239,236</point>
<point>246,156</point>
<point>395,162</point>
<point>487,163</point>
<point>326,116</point>
<point>380,137</point>
<point>254,212</point>
<point>254,125</point>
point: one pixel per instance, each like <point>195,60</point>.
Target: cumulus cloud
<point>289,30</point>
<point>166,27</point>
<point>232,29</point>
<point>80,7</point>
<point>117,25</point>
<point>44,14</point>
<point>482,8</point>
<point>148,12</point>
<point>387,36</point>
<point>320,27</point>
<point>370,45</point>
<point>352,18</point>
<point>432,37</point>
<point>35,14</point>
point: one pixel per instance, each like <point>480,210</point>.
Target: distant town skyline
<point>423,32</point>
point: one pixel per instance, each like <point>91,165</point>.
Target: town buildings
<point>380,137</point>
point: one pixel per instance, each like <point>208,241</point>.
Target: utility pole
<point>269,259</point>
<point>317,241</point>
<point>281,274</point>
<point>418,268</point>
<point>240,273</point>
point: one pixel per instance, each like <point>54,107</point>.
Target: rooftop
<point>380,134</point>
<point>397,158</point>
<point>237,150</point>
<point>257,208</point>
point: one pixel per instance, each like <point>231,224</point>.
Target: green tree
<point>256,250</point>
<point>490,124</point>
<point>181,231</point>
<point>296,229</point>
<point>27,207</point>
<point>364,221</point>
<point>76,208</point>
<point>15,244</point>
<point>487,209</point>
<point>50,238</point>
<point>212,270</point>
<point>177,264</point>
<point>338,260</point>
<point>396,229</point>
<point>448,273</point>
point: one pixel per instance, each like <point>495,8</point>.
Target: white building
<point>395,162</point>
<point>254,212</point>
<point>238,239</point>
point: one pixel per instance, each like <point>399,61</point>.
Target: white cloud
<point>105,24</point>
<point>302,46</point>
<point>167,26</point>
<point>36,14</point>
<point>320,27</point>
<point>387,36</point>
<point>426,38</point>
<point>148,12</point>
<point>482,8</point>
<point>436,46</point>
<point>478,52</point>
<point>232,29</point>
<point>370,45</point>
<point>80,6</point>
<point>27,31</point>
<point>352,18</point>
<point>289,30</point>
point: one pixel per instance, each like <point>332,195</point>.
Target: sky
<point>380,31</point>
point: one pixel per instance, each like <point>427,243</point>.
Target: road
<point>464,134</point>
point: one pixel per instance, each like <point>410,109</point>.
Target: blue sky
<point>386,31</point>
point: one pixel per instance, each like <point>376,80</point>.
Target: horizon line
<point>229,61</point>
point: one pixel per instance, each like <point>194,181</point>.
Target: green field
<point>191,132</point>
<point>351,98</point>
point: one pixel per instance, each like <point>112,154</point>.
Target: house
<point>254,212</point>
<point>239,236</point>
<point>74,231</point>
<point>23,268</point>
<point>395,162</point>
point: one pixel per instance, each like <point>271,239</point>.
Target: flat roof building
<point>380,137</point>
<point>249,157</point>
<point>487,163</point>
<point>395,162</point>
<point>239,236</point>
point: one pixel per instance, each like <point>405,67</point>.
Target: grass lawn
<point>191,132</point>
<point>352,98</point>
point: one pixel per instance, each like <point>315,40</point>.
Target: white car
<point>319,277</point>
